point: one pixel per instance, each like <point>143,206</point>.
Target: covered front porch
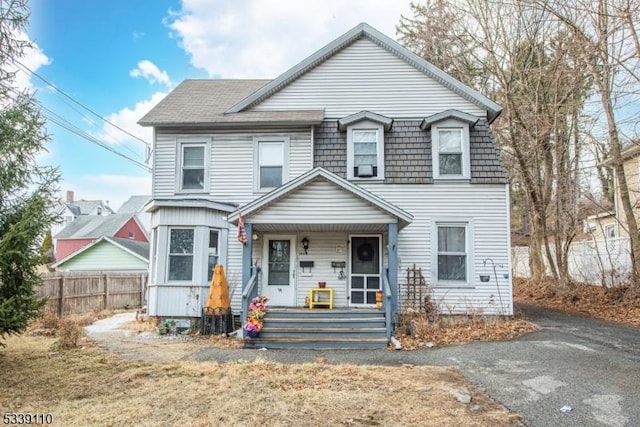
<point>318,229</point>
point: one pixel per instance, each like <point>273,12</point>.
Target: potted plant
<point>257,311</point>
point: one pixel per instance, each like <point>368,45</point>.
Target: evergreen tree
<point>27,190</point>
<point>46,251</point>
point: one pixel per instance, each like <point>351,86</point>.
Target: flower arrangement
<point>257,311</point>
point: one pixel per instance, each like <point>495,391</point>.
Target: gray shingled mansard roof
<point>204,102</point>
<point>93,226</point>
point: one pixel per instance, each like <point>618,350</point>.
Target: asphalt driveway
<point>591,366</point>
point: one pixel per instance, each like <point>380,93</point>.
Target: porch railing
<point>387,302</point>
<point>250,291</point>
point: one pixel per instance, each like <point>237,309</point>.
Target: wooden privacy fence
<point>74,292</point>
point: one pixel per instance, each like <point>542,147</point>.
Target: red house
<point>87,229</point>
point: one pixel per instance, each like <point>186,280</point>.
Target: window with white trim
<point>271,154</point>
<point>365,151</point>
<point>452,252</point>
<point>154,255</point>
<point>450,145</point>
<point>610,231</point>
<point>180,254</point>
<point>192,168</point>
<point>212,254</point>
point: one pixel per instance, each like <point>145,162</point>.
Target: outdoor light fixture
<point>305,245</point>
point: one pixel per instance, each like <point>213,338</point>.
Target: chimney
<point>69,196</point>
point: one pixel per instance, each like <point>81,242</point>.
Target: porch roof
<point>321,201</point>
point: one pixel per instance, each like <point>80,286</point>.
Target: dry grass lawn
<point>92,387</point>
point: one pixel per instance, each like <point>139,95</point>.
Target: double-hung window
<point>212,257</point>
<point>610,231</point>
<point>365,153</point>
<point>365,150</point>
<point>450,151</point>
<point>192,171</point>
<point>450,143</point>
<point>271,154</point>
<point>452,252</point>
<point>181,253</point>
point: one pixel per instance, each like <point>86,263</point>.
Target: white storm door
<point>278,276</point>
<point>365,266</point>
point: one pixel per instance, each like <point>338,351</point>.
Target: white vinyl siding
<point>102,257</point>
<point>321,202</point>
<point>364,76</point>
<point>486,206</point>
<point>231,162</point>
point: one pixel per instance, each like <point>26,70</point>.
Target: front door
<point>278,277</point>
<point>365,267</point>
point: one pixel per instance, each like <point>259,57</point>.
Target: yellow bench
<point>322,301</point>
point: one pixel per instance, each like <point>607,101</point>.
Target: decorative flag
<point>242,233</point>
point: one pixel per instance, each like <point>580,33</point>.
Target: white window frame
<point>169,254</point>
<point>608,228</point>
<point>192,142</point>
<point>269,139</point>
<point>450,124</point>
<point>467,223</point>
<point>154,255</point>
<point>365,125</point>
<point>210,252</point>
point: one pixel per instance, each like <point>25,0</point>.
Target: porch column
<point>247,252</point>
<point>393,265</point>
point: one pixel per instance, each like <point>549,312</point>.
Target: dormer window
<point>365,144</point>
<point>450,144</point>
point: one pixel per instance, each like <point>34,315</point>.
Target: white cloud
<point>34,58</point>
<point>127,119</point>
<point>150,71</point>
<point>263,38</point>
<point>115,189</point>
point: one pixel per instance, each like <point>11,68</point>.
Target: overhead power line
<point>60,91</point>
<point>64,123</point>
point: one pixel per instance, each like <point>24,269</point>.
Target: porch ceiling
<point>321,228</point>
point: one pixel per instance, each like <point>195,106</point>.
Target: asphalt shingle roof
<point>134,204</point>
<point>201,102</point>
<point>93,226</point>
<point>140,248</point>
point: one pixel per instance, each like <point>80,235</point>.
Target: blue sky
<point>119,58</point>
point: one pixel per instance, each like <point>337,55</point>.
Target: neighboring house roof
<point>86,207</point>
<point>137,249</point>
<point>133,205</point>
<point>403,217</point>
<point>366,31</point>
<point>633,150</point>
<point>93,226</point>
<point>204,102</point>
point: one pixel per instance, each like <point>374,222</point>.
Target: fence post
<point>61,294</point>
<point>105,280</point>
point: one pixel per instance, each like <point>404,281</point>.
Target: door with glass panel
<point>278,276</point>
<point>365,270</point>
